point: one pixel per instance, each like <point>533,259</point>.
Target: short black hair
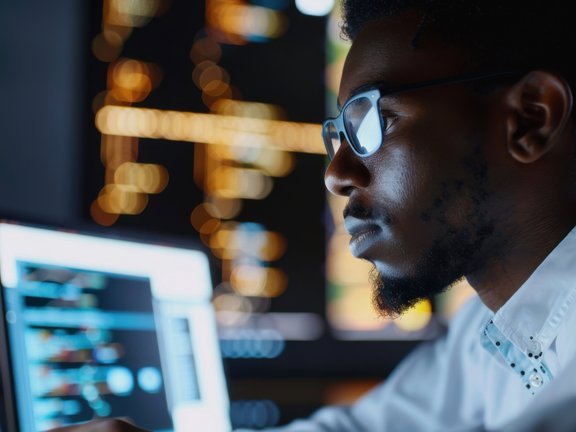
<point>515,34</point>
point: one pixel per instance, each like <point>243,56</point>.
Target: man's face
<point>420,207</point>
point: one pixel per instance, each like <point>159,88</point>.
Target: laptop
<point>95,326</point>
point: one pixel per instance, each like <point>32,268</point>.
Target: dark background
<point>50,169</point>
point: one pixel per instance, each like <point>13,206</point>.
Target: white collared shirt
<point>488,372</point>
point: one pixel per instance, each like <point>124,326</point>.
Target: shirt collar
<point>531,318</point>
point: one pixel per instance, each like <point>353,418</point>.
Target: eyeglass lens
<point>362,122</point>
<point>333,138</point>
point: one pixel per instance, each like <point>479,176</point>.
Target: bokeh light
<point>130,13</point>
<point>147,178</point>
<point>257,281</point>
<point>315,7</point>
<point>119,199</point>
<point>239,23</point>
<point>415,319</point>
<point>210,129</point>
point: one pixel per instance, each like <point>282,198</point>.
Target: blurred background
<point>200,120</point>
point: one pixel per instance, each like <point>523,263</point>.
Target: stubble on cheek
<point>457,226</point>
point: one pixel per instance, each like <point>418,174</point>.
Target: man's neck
<point>505,273</point>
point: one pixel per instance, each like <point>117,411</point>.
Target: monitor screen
<point>99,327</point>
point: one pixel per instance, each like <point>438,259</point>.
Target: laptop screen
<point>99,327</point>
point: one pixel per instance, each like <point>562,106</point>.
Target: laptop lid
<point>99,327</point>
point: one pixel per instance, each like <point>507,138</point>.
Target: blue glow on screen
<point>84,345</point>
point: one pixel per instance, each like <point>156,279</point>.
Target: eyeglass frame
<point>376,91</point>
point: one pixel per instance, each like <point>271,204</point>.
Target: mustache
<point>359,211</point>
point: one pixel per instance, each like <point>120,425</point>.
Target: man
<point>455,147</point>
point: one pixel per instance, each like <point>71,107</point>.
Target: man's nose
<point>346,172</point>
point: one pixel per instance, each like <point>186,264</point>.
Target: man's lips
<point>365,233</point>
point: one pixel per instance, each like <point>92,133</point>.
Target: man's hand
<point>102,425</point>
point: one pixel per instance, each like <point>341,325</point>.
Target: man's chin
<point>388,297</point>
<point>393,296</point>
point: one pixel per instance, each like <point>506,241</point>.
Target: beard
<point>443,265</point>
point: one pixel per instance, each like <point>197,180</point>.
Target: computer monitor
<point>96,327</point>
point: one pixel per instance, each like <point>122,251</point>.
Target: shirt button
<point>536,380</point>
<point>534,348</point>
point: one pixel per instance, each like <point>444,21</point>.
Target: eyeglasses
<point>363,126</point>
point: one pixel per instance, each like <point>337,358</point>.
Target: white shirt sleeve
<point>426,392</point>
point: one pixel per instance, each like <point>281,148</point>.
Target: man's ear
<point>541,105</point>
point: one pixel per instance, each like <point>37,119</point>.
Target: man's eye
<point>388,121</point>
